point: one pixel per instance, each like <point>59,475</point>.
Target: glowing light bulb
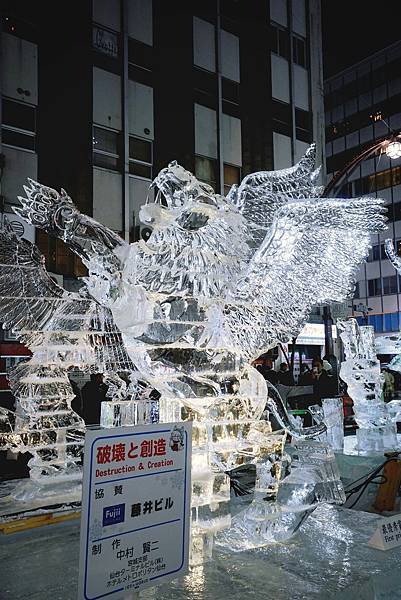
<point>393,150</point>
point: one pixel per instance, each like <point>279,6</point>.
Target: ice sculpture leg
<point>46,426</point>
<point>361,371</point>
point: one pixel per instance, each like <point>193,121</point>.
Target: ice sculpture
<point>331,413</point>
<point>219,282</point>
<point>62,330</point>
<point>361,372</point>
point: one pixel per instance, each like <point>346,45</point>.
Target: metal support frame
<point>219,112</point>
<point>124,123</point>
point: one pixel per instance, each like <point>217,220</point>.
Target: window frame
<point>107,154</point>
<point>19,131</point>
<point>136,161</point>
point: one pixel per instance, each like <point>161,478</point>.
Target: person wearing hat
<point>323,382</point>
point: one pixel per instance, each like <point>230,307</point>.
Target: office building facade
<point>98,97</point>
<point>362,107</point>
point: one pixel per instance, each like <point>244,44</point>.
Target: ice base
<point>379,439</point>
<point>27,490</point>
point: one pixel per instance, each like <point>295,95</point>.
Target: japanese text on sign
<point>135,511</point>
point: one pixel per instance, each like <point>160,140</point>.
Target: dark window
<point>397,211</point>
<point>374,287</point>
<point>230,90</point>
<point>282,117</point>
<point>140,157</point>
<point>232,175</point>
<point>19,124</point>
<point>105,148</point>
<point>390,213</point>
<point>105,140</point>
<point>140,170</point>
<point>376,252</point>
<point>357,290</point>
<point>299,51</point>
<point>206,170</point>
<point>105,161</point>
<point>20,140</point>
<point>280,42</point>
<point>390,285</point>
<point>18,115</point>
<point>140,55</point>
<point>140,149</point>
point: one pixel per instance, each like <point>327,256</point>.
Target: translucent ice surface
<point>219,282</point>
<point>361,372</point>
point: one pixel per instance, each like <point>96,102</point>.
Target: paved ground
<point>327,560</point>
<point>40,564</point>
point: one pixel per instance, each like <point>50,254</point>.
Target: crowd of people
<point>320,378</point>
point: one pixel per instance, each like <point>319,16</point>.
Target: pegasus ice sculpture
<point>219,282</point>
<point>361,372</point>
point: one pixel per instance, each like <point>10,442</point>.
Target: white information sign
<point>135,508</point>
<point>387,534</point>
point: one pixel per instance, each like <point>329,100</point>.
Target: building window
<point>357,290</point>
<point>299,51</point>
<point>391,322</point>
<point>377,322</point>
<point>280,42</point>
<point>230,90</point>
<point>19,124</point>
<point>206,170</point>
<point>390,285</point>
<point>374,287</point>
<point>232,176</point>
<point>204,44</point>
<point>140,157</point>
<point>377,252</point>
<point>105,148</point>
<point>139,56</point>
<point>378,181</point>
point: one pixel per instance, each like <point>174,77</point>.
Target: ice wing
<point>28,296</point>
<point>310,256</point>
<point>31,303</point>
<point>260,195</point>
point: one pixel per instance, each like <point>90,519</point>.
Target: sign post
<point>135,508</point>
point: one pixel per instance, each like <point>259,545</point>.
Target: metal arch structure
<point>334,186</point>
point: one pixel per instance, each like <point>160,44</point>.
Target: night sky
<point>354,29</point>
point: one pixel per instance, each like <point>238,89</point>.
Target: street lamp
<point>393,150</point>
<point>390,145</point>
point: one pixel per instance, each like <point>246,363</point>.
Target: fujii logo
<point>113,514</point>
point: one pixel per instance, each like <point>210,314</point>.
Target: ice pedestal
<point>382,437</point>
<point>312,477</point>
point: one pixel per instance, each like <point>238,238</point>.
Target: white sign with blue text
<point>135,508</point>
